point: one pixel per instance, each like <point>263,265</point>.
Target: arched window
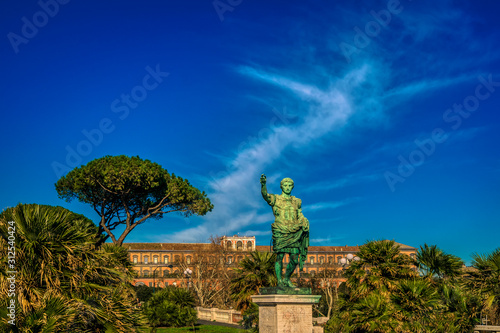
<point>177,259</point>
<point>229,244</point>
<point>165,259</point>
<point>135,259</point>
<point>321,260</point>
<point>249,246</point>
<point>330,260</point>
<point>188,260</point>
<point>146,259</point>
<point>146,273</point>
<point>312,260</point>
<point>229,260</point>
<point>239,245</point>
<point>155,259</point>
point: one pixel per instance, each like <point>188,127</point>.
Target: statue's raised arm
<point>263,188</point>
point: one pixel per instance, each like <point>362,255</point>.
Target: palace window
<point>229,244</point>
<point>146,273</point>
<point>249,245</point>
<point>146,259</point>
<point>239,245</point>
<point>135,259</point>
<point>155,259</point>
<point>188,260</point>
<point>177,259</point>
<point>321,260</point>
<point>229,260</point>
<point>165,273</point>
<point>312,260</point>
<point>330,260</point>
<point>165,259</point>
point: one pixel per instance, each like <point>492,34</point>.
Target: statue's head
<point>287,181</point>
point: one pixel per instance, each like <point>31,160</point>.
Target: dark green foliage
<point>253,273</point>
<point>433,262</point>
<point>484,281</point>
<point>126,191</point>
<point>171,307</point>
<point>63,282</point>
<point>144,293</point>
<point>251,318</point>
<point>384,293</point>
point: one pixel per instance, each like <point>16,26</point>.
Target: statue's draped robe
<point>290,227</point>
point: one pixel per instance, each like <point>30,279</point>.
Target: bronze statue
<point>290,229</point>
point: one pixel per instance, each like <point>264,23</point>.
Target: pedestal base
<point>286,313</point>
<point>284,291</point>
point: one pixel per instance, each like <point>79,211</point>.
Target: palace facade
<point>163,264</point>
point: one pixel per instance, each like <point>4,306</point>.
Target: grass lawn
<point>201,329</point>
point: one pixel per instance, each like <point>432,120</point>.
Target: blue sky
<point>385,113</point>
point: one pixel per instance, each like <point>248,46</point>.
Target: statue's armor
<point>286,211</point>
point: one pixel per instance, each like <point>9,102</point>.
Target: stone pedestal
<point>280,313</point>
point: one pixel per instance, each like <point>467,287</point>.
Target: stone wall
<point>218,315</point>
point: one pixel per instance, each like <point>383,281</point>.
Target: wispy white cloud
<point>420,86</point>
<point>329,239</point>
<point>328,205</point>
<point>358,96</point>
<point>258,232</point>
<point>345,180</point>
<point>235,193</point>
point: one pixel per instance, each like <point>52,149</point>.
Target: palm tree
<point>171,307</point>
<point>485,281</point>
<point>434,263</point>
<point>253,273</point>
<point>373,314</point>
<point>415,302</point>
<point>460,308</point>
<point>385,294</point>
<point>380,267</point>
<point>64,283</point>
<point>366,306</point>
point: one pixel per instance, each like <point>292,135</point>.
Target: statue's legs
<point>278,266</point>
<point>294,260</point>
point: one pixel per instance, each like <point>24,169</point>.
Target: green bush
<point>144,293</point>
<point>251,318</point>
<point>171,307</point>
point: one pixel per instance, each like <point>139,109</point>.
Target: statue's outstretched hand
<point>263,179</point>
